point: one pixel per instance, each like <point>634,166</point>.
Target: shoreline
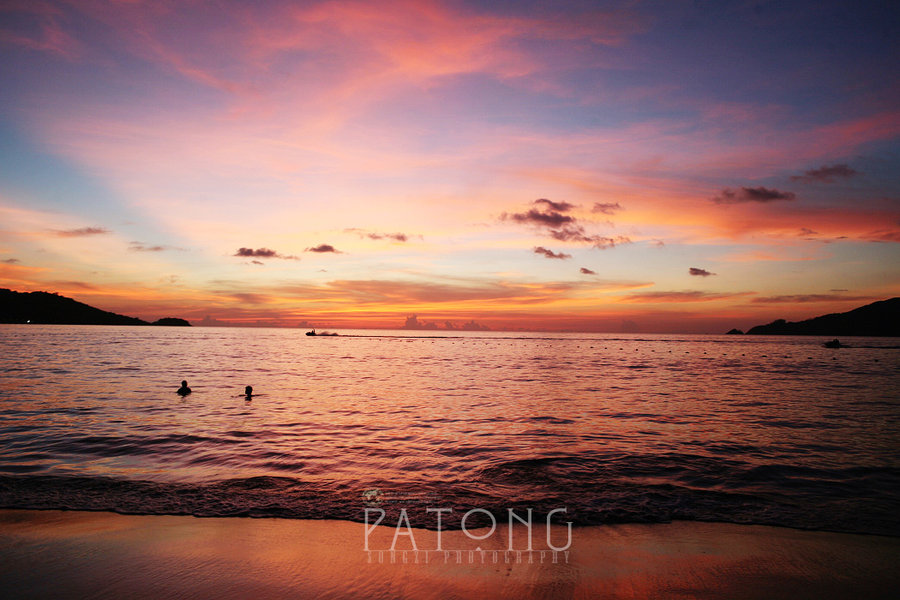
<point>63,554</point>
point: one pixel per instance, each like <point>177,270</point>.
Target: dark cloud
<point>806,231</point>
<point>551,205</point>
<point>607,208</point>
<point>564,228</point>
<point>757,194</point>
<point>263,253</point>
<point>806,298</point>
<point>586,271</point>
<point>550,253</point>
<point>11,261</point>
<point>82,232</point>
<point>257,262</point>
<point>547,218</point>
<point>700,272</point>
<point>826,174</point>
<point>323,248</point>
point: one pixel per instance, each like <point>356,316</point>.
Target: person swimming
<point>248,392</point>
<point>184,390</point>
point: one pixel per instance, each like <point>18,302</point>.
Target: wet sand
<point>59,554</point>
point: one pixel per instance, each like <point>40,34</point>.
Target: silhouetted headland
<point>171,322</point>
<point>880,318</point>
<point>52,309</point>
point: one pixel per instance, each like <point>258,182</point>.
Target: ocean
<point>611,427</point>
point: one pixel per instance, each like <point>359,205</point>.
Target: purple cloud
<point>826,174</point>
<point>757,194</point>
<point>263,253</point>
<point>323,248</point>
<point>81,232</point>
<point>550,253</point>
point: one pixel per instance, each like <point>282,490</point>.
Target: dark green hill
<point>880,318</point>
<point>47,308</point>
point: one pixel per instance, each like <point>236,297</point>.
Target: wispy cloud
<point>80,232</point>
<point>826,174</point>
<point>142,247</point>
<point>607,208</point>
<point>751,194</point>
<point>700,272</point>
<point>586,271</point>
<point>808,298</point>
<point>373,235</point>
<point>684,296</point>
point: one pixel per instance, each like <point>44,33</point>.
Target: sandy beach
<point>60,554</point>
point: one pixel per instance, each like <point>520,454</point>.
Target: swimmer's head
<point>248,391</point>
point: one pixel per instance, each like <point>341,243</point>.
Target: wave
<point>617,489</point>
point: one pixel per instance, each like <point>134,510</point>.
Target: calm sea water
<point>615,428</point>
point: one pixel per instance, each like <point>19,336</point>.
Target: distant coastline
<point>52,309</point>
<point>878,319</point>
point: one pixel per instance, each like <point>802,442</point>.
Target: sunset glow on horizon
<point>587,166</point>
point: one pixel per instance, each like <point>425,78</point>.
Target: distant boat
<point>313,332</point>
<point>835,343</point>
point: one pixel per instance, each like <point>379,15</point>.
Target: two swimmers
<point>184,390</point>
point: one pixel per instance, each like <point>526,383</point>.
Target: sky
<point>623,166</point>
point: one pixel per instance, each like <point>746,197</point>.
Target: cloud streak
<point>683,296</point>
<point>697,272</point>
<point>80,232</point>
<point>745,195</point>
<point>809,298</point>
<point>372,235</point>
<point>606,208</point>
<point>826,174</point>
